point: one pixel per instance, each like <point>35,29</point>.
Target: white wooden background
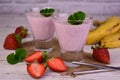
<point>91,7</point>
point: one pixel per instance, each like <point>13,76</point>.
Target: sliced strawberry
<point>56,64</point>
<point>101,54</point>
<point>20,30</point>
<point>12,42</point>
<point>37,55</point>
<point>36,70</point>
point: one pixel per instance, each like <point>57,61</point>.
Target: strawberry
<point>20,30</point>
<point>101,54</point>
<point>12,42</point>
<point>56,64</point>
<point>36,70</point>
<point>36,55</point>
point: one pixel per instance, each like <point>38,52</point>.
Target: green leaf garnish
<point>76,18</point>
<point>17,57</point>
<point>47,12</point>
<point>12,59</point>
<point>21,53</point>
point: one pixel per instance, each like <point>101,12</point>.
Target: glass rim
<point>80,20</point>
<point>87,18</point>
<point>37,9</point>
<point>84,22</point>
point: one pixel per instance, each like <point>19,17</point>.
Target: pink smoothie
<point>42,27</point>
<point>71,37</point>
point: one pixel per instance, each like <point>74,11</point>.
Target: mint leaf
<point>76,18</point>
<point>72,20</point>
<point>81,15</point>
<point>19,55</point>
<point>20,52</point>
<point>12,59</point>
<point>47,12</point>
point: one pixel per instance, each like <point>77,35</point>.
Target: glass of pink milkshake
<point>42,28</point>
<point>71,38</point>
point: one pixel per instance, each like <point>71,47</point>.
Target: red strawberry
<point>36,70</point>
<point>101,54</point>
<point>36,55</point>
<point>20,30</point>
<point>56,64</point>
<point>12,42</point>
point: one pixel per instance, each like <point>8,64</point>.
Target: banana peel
<point>111,41</point>
<point>111,25</point>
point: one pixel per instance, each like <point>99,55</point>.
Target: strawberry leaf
<point>19,39</point>
<point>45,55</point>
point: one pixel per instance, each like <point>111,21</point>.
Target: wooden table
<point>8,23</point>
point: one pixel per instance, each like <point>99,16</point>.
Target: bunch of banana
<point>111,25</point>
<point>111,41</point>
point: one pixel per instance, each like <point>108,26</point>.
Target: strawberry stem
<point>19,39</point>
<point>45,64</point>
<point>95,46</point>
<point>45,55</point>
<point>35,61</point>
<point>92,47</point>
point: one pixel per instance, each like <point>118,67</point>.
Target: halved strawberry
<point>22,31</point>
<point>36,70</point>
<point>56,64</point>
<point>36,55</point>
<point>101,54</point>
<point>12,42</point>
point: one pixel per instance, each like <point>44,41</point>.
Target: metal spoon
<point>96,65</point>
<point>101,68</point>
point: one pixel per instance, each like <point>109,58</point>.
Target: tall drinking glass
<point>42,28</point>
<point>71,38</point>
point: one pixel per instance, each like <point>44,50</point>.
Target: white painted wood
<point>92,7</point>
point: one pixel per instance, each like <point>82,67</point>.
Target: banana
<point>111,41</point>
<point>110,26</point>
